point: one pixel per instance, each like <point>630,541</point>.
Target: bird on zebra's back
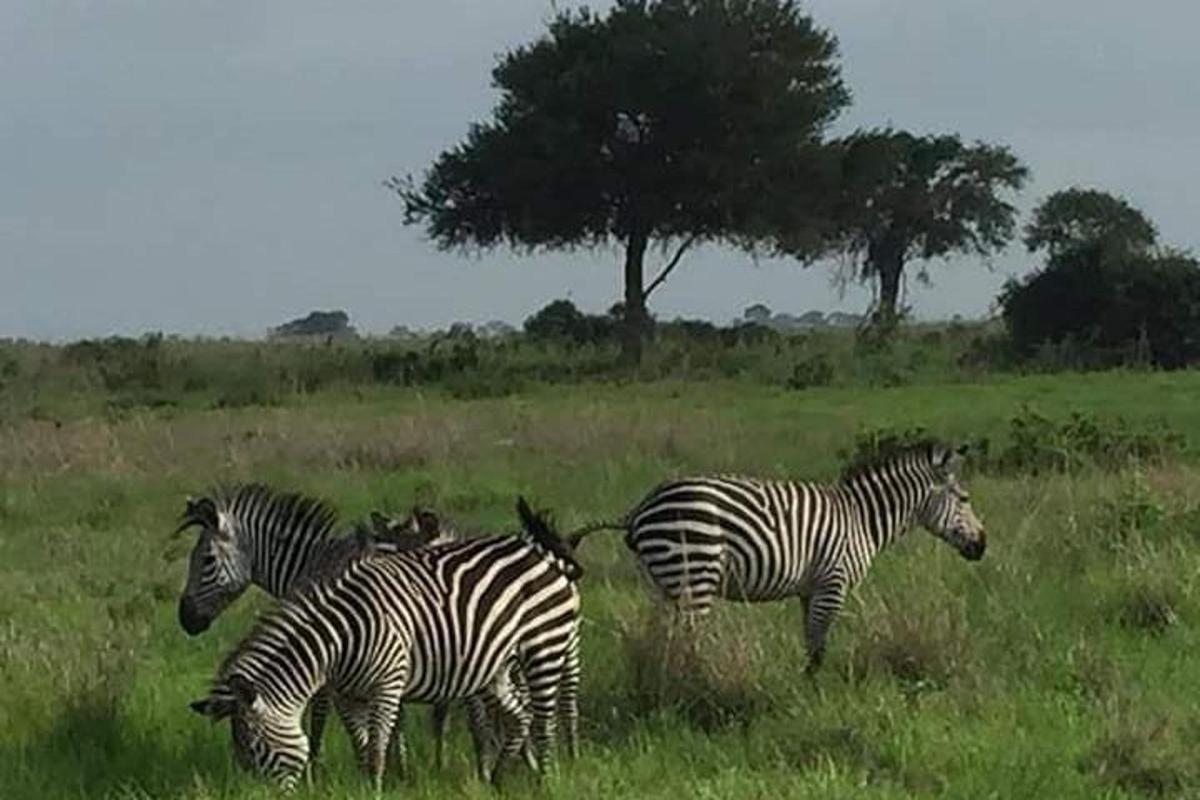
<point>280,542</point>
<point>422,625</point>
<point>752,540</point>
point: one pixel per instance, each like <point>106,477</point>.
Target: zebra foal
<point>424,625</point>
<point>751,540</point>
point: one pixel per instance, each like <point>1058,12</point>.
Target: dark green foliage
<point>1073,218</point>
<point>317,323</point>
<point>1114,309</point>
<point>561,321</point>
<point>668,121</point>
<point>902,197</point>
<point>1039,444</point>
<point>120,362</point>
<point>1106,295</point>
<point>811,372</point>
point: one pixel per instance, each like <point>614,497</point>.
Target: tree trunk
<point>887,261</point>
<point>633,326</point>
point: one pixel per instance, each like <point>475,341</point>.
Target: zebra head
<point>264,742</point>
<point>946,511</point>
<point>219,567</point>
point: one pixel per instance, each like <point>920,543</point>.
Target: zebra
<point>279,541</point>
<point>422,625</point>
<point>751,540</point>
<point>424,528</point>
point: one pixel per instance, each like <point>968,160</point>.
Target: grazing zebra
<point>757,540</point>
<point>425,625</point>
<point>281,541</point>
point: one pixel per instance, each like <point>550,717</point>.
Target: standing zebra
<point>280,542</point>
<point>756,540</point>
<point>423,625</point>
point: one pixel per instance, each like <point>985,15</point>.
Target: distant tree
<point>1105,286</point>
<point>1076,218</point>
<point>757,313</point>
<point>317,323</point>
<point>904,197</point>
<point>661,122</point>
<point>561,320</point>
<point>496,329</point>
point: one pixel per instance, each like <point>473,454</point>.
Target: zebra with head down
<point>281,542</point>
<point>425,625</point>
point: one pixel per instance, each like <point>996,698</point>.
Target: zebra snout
<point>974,549</point>
<point>190,619</point>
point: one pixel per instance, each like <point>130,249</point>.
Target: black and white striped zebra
<point>280,541</point>
<point>425,625</point>
<point>753,540</point>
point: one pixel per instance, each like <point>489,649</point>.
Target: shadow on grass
<point>92,749</point>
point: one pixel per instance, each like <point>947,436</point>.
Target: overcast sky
<point>215,167</point>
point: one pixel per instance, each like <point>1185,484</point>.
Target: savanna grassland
<point>1064,664</point>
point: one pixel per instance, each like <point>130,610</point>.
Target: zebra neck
<point>281,562</point>
<point>284,665</point>
<point>884,506</point>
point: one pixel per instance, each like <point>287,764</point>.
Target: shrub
<point>1039,444</point>
<point>1129,309</point>
<point>811,372</point>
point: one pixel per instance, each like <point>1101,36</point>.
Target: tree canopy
<point>903,197</point>
<point>1088,218</point>
<point>1106,289</point>
<point>668,122</point>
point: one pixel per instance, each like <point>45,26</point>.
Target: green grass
<point>1062,665</point>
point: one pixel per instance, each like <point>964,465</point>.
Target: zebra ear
<point>213,707</point>
<point>528,518</point>
<point>428,524</point>
<point>953,460</point>
<point>244,693</point>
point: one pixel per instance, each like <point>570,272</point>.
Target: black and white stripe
<point>753,540</point>
<point>426,625</point>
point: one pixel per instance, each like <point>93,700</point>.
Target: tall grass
<point>1062,665</point>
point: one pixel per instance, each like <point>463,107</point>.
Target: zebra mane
<point>541,530</point>
<point>928,450</point>
<point>300,515</point>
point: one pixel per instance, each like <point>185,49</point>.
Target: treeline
<point>557,345</point>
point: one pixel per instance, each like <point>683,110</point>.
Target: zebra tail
<point>579,534</point>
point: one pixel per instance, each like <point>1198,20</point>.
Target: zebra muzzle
<point>190,619</point>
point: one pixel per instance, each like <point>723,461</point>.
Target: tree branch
<point>662,276</point>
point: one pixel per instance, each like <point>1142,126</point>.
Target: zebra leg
<point>318,713</point>
<point>479,716</point>
<point>568,696</point>
<point>397,744</point>
<point>543,701</point>
<point>820,611</point>
<point>437,722</point>
<point>383,714</point>
<point>514,725</point>
<point>356,717</point>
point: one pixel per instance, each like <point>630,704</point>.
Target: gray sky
<point>215,168</point>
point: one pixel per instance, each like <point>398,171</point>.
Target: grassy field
<point>1065,664</point>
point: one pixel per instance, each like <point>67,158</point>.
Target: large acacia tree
<point>903,197</point>
<point>662,123</point>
